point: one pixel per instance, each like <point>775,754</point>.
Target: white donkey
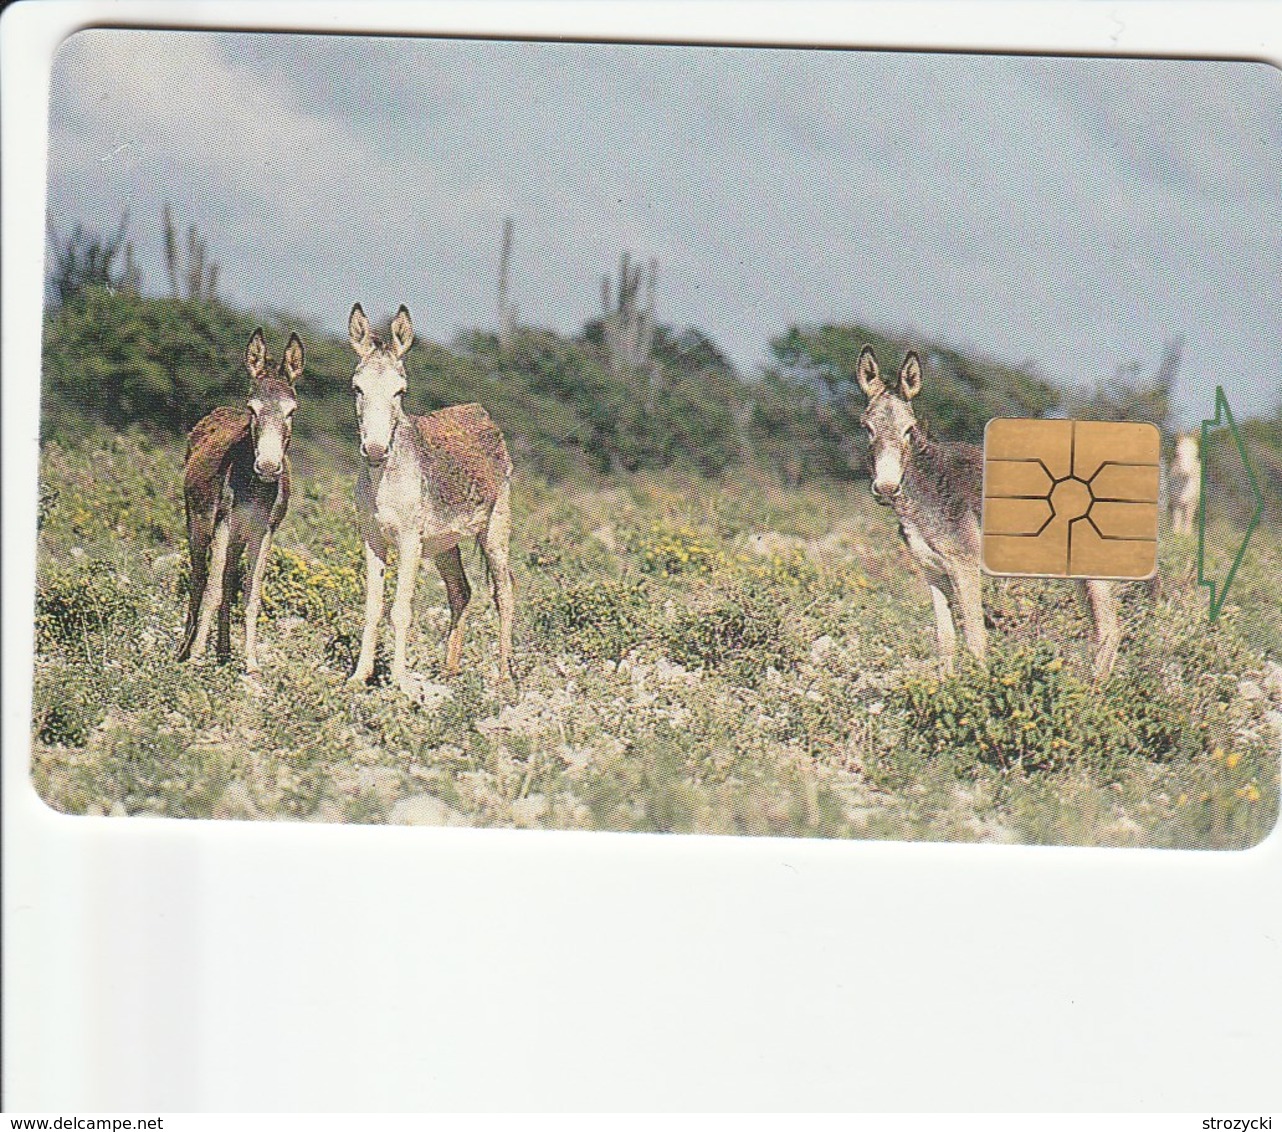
<point>426,484</point>
<point>1185,485</point>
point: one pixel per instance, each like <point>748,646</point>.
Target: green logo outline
<point>1223,415</point>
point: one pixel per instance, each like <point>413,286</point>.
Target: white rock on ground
<point>166,566</point>
<point>533,714</point>
<point>1273,679</point>
<point>424,809</point>
<point>328,811</point>
<point>528,811</point>
<point>670,672</point>
<point>383,782</point>
<point>575,758</point>
<point>605,536</point>
<point>990,830</point>
<point>767,543</point>
<point>430,695</point>
<point>235,802</point>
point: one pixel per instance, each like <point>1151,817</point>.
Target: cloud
<point>174,98</point>
<point>1074,211</point>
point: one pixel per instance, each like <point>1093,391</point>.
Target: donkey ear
<point>291,364</point>
<point>868,374</point>
<point>910,376</point>
<point>358,332</point>
<point>256,353</point>
<point>402,331</point>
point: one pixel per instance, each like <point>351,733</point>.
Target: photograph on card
<point>668,439</point>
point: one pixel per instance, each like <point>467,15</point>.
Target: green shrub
<point>604,619</point>
<point>322,592</point>
<point>743,632</point>
<point>80,608</point>
<point>125,490</point>
<point>668,552</point>
<point>158,772</point>
<point>1028,711</point>
<point>65,710</point>
<point>47,502</point>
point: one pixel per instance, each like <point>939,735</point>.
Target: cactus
<point>507,311</point>
<point>197,279</point>
<point>87,259</point>
<point>627,326</point>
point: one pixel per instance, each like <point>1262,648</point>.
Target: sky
<point>1075,213</point>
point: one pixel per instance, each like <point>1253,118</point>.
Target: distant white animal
<point>1185,484</point>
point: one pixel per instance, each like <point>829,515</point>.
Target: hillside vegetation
<point>116,357</point>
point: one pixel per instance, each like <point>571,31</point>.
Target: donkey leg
<point>1182,519</point>
<point>408,555</point>
<point>494,545</point>
<point>200,533</point>
<point>945,631</point>
<point>232,580</point>
<point>375,573</point>
<point>259,551</point>
<point>212,597</point>
<point>968,593</point>
<point>450,566</point>
<point>1102,598</point>
<point>1190,517</point>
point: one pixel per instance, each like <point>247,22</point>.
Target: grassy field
<point>694,656</point>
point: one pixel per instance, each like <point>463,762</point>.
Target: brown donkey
<point>426,484</point>
<point>236,485</point>
<point>935,489</point>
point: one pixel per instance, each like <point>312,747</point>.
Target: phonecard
<point>850,466</point>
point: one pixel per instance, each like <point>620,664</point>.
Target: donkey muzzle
<point>268,473</point>
<point>374,453</point>
<point>885,493</point>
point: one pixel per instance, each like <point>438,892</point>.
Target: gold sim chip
<point>1070,499</point>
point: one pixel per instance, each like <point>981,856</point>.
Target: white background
<point>167,966</point>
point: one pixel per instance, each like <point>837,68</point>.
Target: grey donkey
<point>236,487</point>
<point>935,490</point>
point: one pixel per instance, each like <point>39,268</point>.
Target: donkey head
<point>271,402</point>
<point>890,422</point>
<point>379,381</point>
